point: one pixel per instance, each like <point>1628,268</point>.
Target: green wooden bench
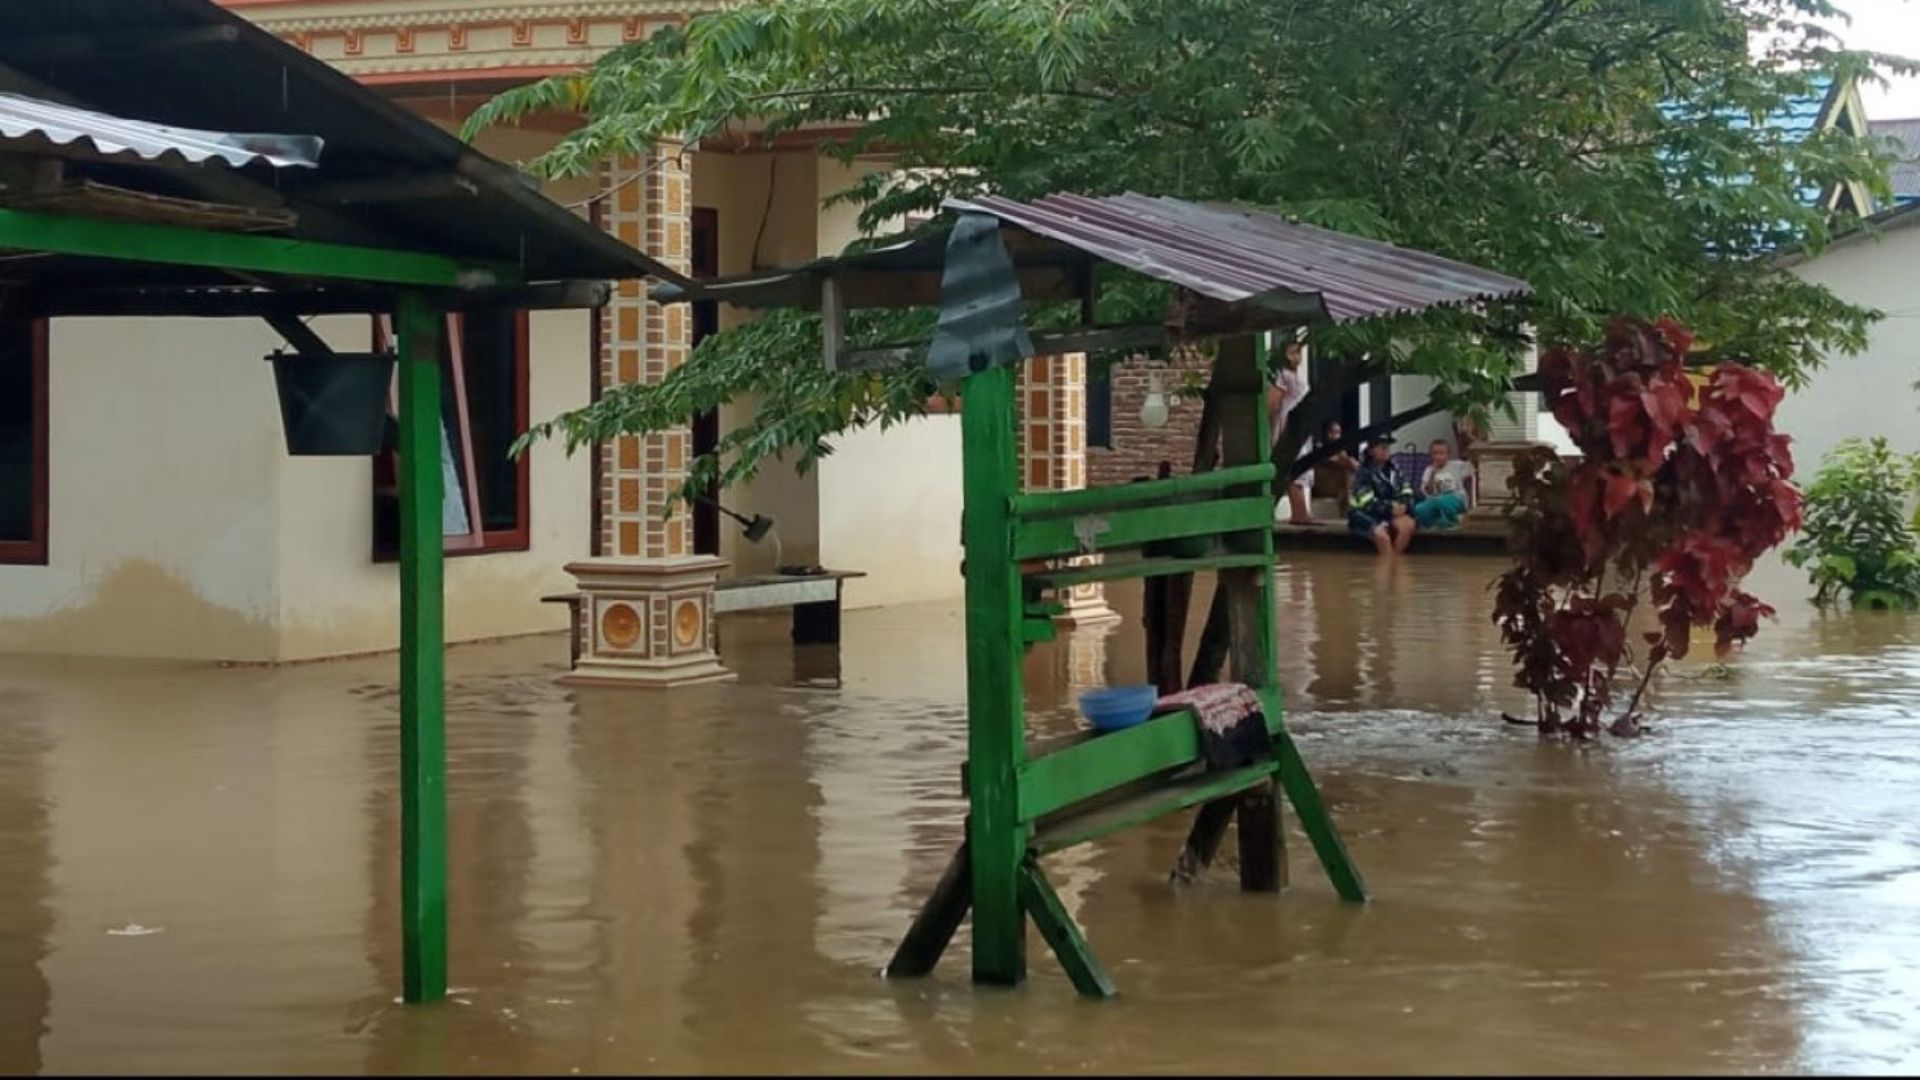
<point>1028,802</point>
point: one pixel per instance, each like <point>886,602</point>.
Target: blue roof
<point>1796,118</point>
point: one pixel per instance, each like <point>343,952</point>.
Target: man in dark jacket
<point>1381,507</point>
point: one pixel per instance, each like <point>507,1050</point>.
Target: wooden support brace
<point>1062,936</point>
<point>1263,863</point>
<point>939,917</point>
<point>1203,841</point>
<point>1315,821</point>
<point>423,755</point>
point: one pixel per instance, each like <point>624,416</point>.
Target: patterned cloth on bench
<point>1231,723</point>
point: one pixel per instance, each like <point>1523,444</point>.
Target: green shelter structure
<point>133,182</point>
<point>1237,274</point>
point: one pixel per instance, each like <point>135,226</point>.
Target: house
<point>1905,137</point>
<point>1872,393</point>
<point>270,558</point>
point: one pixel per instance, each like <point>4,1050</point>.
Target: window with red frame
<point>483,408</point>
<point>23,441</point>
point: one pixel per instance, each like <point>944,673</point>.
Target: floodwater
<point>198,865</point>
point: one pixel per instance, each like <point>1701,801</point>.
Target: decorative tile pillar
<point>1053,457</point>
<point>637,599</point>
<point>649,622</point>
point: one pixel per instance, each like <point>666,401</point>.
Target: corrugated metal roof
<point>31,119</point>
<point>389,177</point>
<point>1906,170</point>
<point>1235,255</point>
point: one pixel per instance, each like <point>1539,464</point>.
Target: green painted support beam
<point>1157,800</point>
<point>62,234</point>
<point>1034,504</point>
<point>996,707</point>
<point>1062,936</point>
<point>1122,569</point>
<point>1316,822</point>
<point>423,751</point>
<point>1059,536</point>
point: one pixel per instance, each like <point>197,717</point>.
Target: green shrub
<point>1857,538</point>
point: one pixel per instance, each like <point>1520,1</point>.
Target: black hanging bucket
<point>333,406</point>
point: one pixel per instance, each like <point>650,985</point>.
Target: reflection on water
<point>710,879</point>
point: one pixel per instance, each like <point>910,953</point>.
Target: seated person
<point>1382,502</point>
<point>1333,477</point>
<point>1443,489</point>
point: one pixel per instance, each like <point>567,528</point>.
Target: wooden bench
<point>814,598</point>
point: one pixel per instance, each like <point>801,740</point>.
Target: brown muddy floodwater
<point>198,866</point>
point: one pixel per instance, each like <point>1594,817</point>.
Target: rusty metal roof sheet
<point>1236,255</point>
<point>1273,270</point>
<point>33,120</point>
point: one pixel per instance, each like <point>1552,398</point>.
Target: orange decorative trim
<point>355,42</point>
<point>576,31</point>
<point>522,33</point>
<point>457,37</point>
<point>464,75</point>
<point>403,40</point>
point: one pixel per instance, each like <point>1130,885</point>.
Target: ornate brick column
<point>1053,457</point>
<point>648,602</point>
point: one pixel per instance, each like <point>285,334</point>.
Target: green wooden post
<point>995,705</point>
<point>423,750</point>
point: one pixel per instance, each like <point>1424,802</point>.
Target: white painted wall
<point>335,599</point>
<point>885,502</point>
<point>1872,393</point>
<point>890,505</point>
<point>889,500</point>
<point>736,186</point>
<point>180,527</point>
<point>165,455</point>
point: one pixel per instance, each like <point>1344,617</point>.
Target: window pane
<point>493,397</point>
<point>16,430</point>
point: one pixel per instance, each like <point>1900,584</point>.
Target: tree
<point>1606,152</point>
<point>1858,540</point>
<point>1676,489</point>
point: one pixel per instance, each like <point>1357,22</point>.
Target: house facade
<point>157,535</point>
<point>207,541</point>
<point>1873,393</point>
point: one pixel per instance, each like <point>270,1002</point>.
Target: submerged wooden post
<point>995,701</point>
<point>423,752</point>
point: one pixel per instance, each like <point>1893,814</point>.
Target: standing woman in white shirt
<point>1288,389</point>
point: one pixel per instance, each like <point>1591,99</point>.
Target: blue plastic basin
<point>1117,707</point>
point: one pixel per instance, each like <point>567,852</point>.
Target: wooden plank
<point>1316,822</point>
<point>1030,505</point>
<point>1061,935</point>
<point>423,755</point>
<point>775,594</point>
<point>1101,763</point>
<point>995,697</point>
<point>934,926</point>
<point>1160,799</point>
<point>1122,569</point>
<point>1262,860</point>
<point>25,230</point>
<point>1203,841</point>
<point>1114,529</point>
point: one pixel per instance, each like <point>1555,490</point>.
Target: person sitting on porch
<point>1333,477</point>
<point>1382,504</point>
<point>1443,489</point>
